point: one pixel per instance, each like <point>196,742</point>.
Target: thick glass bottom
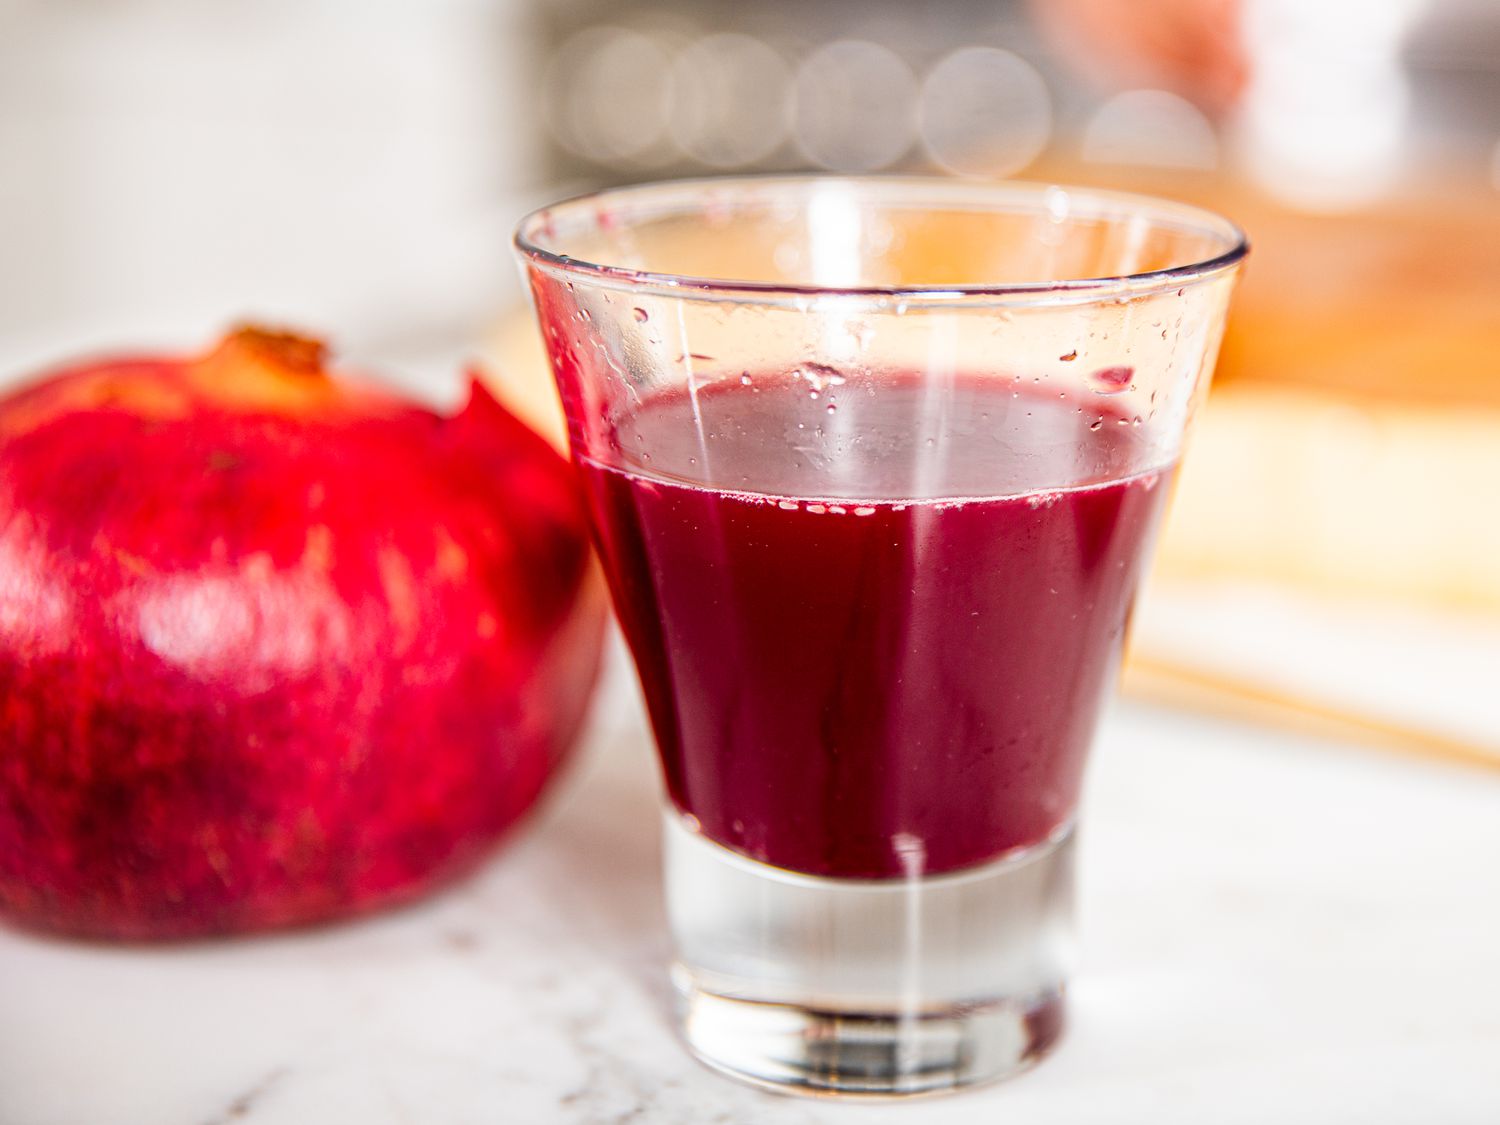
<point>875,987</point>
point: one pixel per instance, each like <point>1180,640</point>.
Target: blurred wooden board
<point>1398,301</point>
<point>1353,436</point>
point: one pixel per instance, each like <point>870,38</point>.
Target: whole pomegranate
<point>274,648</point>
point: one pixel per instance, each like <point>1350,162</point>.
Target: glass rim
<point>655,199</point>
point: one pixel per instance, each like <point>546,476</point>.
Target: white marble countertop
<point>1273,931</point>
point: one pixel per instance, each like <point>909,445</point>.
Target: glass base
<point>874,987</point>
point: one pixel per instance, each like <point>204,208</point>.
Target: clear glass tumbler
<point>874,467</point>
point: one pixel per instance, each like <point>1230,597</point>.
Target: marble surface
<point>1273,930</point>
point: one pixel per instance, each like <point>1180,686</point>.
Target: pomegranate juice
<point>874,624</point>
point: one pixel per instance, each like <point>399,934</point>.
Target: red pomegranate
<point>274,647</point>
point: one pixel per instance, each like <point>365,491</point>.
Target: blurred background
<point>353,168</point>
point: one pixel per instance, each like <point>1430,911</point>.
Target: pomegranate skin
<point>274,648</point>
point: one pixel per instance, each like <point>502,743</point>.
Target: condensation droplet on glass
<point>1096,426</point>
<point>585,315</point>
<point>864,511</point>
<point>787,505</point>
<point>833,408</point>
<point>640,314</point>
<point>1111,380</point>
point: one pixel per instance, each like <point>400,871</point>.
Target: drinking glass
<point>874,466</point>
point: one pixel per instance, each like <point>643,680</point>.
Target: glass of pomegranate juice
<point>874,466</point>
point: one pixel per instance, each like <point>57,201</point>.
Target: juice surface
<point>874,625</point>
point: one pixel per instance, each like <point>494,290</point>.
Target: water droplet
<point>864,511</point>
<point>584,315</point>
<point>1096,426</point>
<point>745,379</point>
<point>833,408</point>
<point>812,394</point>
<point>787,505</point>
<point>817,509</point>
<point>640,314</point>
<point>1111,380</point>
<point>819,375</point>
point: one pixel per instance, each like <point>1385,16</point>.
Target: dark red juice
<point>874,624</point>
